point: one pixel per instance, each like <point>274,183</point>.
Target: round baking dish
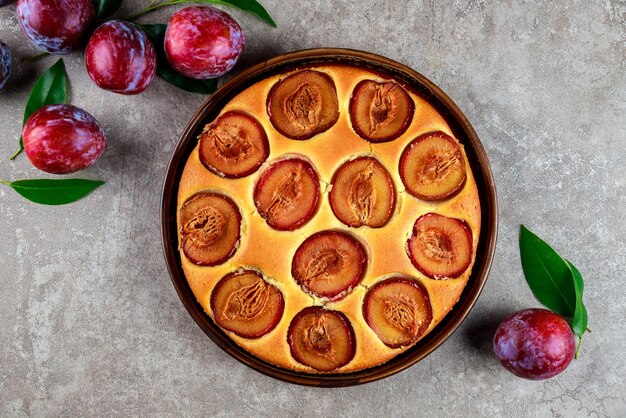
<point>462,130</point>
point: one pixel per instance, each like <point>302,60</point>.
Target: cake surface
<point>257,263</point>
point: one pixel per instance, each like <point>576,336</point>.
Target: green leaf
<point>51,88</point>
<point>54,191</point>
<point>157,34</point>
<point>579,320</point>
<point>107,7</point>
<point>547,274</point>
<point>251,6</point>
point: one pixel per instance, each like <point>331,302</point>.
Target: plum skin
<point>62,138</point>
<point>535,344</point>
<point>203,42</point>
<point>55,26</point>
<point>120,58</point>
<point>5,64</point>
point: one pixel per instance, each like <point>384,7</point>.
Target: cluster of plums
<point>200,42</point>
<point>203,42</point>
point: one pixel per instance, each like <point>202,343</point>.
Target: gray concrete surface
<point>90,323</point>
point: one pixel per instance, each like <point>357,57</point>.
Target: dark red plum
<point>534,344</point>
<point>120,58</point>
<point>203,42</point>
<point>62,139</point>
<point>55,26</point>
<point>5,64</point>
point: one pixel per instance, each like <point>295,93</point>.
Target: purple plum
<point>55,26</point>
<point>203,42</point>
<point>5,64</point>
<point>120,58</point>
<point>62,139</point>
<point>534,344</point>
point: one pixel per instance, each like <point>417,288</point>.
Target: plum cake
<point>328,219</point>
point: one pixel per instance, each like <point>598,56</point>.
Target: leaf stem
<point>12,157</point>
<point>8,183</point>
<point>580,339</point>
<point>36,57</point>
<point>152,7</point>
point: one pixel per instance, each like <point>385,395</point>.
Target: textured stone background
<point>90,323</point>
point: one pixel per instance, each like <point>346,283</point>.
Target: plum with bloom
<point>534,344</point>
<point>120,58</point>
<point>5,64</point>
<point>62,139</point>
<point>55,26</point>
<point>203,42</point>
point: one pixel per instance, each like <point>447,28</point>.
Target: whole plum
<point>5,64</point>
<point>120,58</point>
<point>534,344</point>
<point>203,42</point>
<point>62,139</point>
<point>55,26</point>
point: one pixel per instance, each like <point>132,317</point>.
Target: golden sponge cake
<point>327,232</point>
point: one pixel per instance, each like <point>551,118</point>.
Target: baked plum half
<point>440,247</point>
<point>329,264</point>
<point>303,104</point>
<point>321,339</point>
<point>235,145</point>
<point>362,193</point>
<point>287,194</point>
<point>432,167</point>
<point>380,111</point>
<point>210,228</point>
<point>244,303</point>
<point>398,310</point>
